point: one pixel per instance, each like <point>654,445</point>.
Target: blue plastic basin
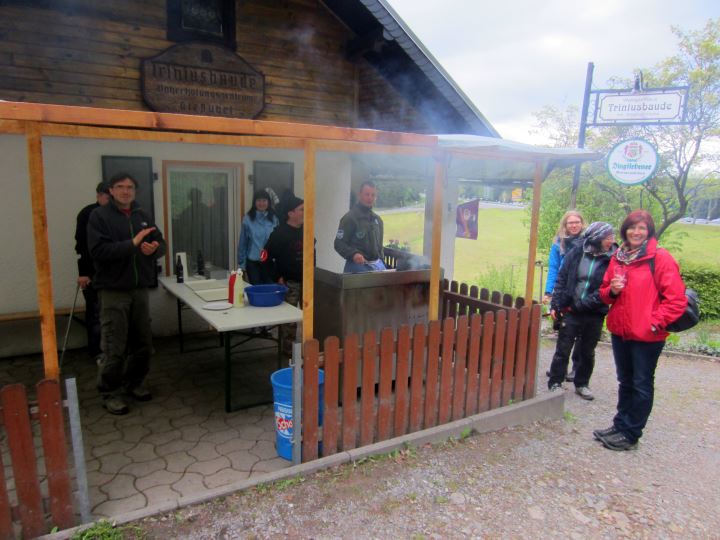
<point>266,295</point>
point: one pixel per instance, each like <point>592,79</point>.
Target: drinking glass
<point>620,272</point>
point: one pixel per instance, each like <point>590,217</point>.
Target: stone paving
<point>182,442</point>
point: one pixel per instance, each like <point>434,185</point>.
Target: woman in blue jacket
<point>568,235</point>
<point>256,227</point>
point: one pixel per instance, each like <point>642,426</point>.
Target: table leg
<point>180,327</point>
<point>228,374</point>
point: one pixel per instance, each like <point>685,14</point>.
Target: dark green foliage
<point>398,194</point>
<point>705,280</point>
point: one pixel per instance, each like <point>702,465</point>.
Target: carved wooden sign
<point>204,79</point>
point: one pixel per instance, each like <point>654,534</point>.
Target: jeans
<point>635,362</point>
<point>126,335</point>
<point>288,332</point>
<point>586,329</point>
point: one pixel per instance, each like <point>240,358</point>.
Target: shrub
<point>706,282</point>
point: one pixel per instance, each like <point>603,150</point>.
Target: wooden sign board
<point>203,79</point>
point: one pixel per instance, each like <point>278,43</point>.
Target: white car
<point>701,221</point>
<point>686,220</point>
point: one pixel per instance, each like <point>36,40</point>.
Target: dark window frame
<point>176,32</point>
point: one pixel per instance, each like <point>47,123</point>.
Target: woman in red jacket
<point>642,302</point>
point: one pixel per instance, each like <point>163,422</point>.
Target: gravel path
<point>547,480</point>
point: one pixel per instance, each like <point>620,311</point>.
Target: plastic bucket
<point>282,397</point>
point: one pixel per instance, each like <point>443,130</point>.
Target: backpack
<point>691,316</point>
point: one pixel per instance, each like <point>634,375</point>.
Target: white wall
<point>449,228</point>
<point>331,199</point>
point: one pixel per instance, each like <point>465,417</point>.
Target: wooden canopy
<point>37,120</point>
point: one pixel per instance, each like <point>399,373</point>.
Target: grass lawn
<point>497,259</point>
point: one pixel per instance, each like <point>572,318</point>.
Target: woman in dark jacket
<point>576,299</point>
<point>643,301</point>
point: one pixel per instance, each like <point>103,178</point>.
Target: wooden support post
<point>440,177</point>
<point>308,289</point>
<point>534,221</point>
<point>42,251</point>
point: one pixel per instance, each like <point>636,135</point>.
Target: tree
<point>689,171</point>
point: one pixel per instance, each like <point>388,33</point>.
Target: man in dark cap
<point>576,302</point>
<point>86,271</point>
<point>284,251</point>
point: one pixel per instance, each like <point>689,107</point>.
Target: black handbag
<point>691,315</point>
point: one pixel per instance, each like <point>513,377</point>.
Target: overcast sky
<point>512,57</point>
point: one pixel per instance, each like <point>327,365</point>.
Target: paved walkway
<point>180,443</point>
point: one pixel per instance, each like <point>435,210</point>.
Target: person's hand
<point>139,237</point>
<point>553,314</point>
<point>617,284</point>
<point>281,281</point>
<point>148,248</point>
<point>84,282</point>
<point>358,258</point>
<point>547,298</point>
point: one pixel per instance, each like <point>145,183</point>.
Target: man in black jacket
<point>359,238</point>
<point>124,245</point>
<point>576,302</point>
<point>86,271</point>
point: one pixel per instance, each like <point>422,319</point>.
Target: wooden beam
<point>42,252</point>
<point>94,116</point>
<point>373,148</point>
<point>440,178</point>
<point>308,281</point>
<point>12,127</point>
<point>92,132</point>
<point>534,221</point>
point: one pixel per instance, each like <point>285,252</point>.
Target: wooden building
<point>348,63</point>
<point>335,62</point>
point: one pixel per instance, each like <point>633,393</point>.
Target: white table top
<point>232,318</point>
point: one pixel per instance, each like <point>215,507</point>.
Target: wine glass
<point>620,271</point>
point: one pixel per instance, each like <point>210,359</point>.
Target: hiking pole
<point>67,330</point>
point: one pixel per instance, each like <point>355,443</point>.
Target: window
<point>201,20</point>
<point>203,203</point>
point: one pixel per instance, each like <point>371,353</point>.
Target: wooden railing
<point>417,378</point>
<point>461,299</point>
<point>29,508</point>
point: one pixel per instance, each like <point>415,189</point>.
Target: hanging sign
<point>466,220</point>
<point>629,107</point>
<point>632,161</point>
<point>204,79</point>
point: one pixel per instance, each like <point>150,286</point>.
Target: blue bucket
<point>282,397</point>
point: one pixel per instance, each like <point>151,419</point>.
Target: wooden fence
<point>31,509</point>
<point>478,358</point>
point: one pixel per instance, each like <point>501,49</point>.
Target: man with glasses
<point>124,245</point>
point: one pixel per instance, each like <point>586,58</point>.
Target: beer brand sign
<point>632,161</point>
<point>203,79</point>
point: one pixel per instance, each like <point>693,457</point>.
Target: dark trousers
<point>257,272</point>
<point>126,339</point>
<point>635,363</point>
<point>92,320</point>
<point>586,329</point>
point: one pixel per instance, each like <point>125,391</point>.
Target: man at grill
<point>359,238</point>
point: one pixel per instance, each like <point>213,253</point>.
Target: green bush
<point>706,282</point>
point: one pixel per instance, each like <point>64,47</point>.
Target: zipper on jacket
<point>587,281</point>
<point>134,257</point>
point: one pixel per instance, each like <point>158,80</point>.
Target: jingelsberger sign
<point>643,107</point>
<point>198,78</point>
<point>632,161</point>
